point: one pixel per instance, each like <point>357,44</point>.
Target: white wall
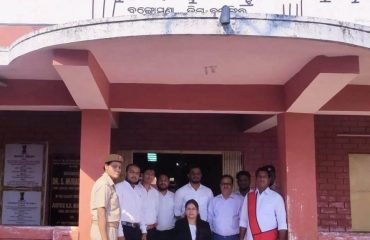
<point>61,11</point>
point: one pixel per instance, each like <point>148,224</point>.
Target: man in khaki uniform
<point>104,204</point>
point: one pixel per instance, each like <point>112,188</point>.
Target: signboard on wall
<point>21,208</point>
<point>348,10</point>
<point>64,194</point>
<point>24,184</point>
<point>23,166</point>
<point>62,11</point>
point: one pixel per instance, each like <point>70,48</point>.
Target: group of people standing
<point>136,210</point>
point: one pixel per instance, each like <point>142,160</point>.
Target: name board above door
<point>62,11</point>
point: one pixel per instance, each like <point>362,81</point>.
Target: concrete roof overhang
<point>260,64</point>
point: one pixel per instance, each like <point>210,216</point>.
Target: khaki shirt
<point>103,194</point>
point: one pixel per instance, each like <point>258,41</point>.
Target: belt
<point>236,236</point>
<point>109,224</point>
<point>129,224</point>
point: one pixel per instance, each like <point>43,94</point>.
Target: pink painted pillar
<point>297,173</point>
<point>95,146</point>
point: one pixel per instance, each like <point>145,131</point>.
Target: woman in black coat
<point>191,227</point>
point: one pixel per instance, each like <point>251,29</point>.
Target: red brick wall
<point>61,130</point>
<point>332,167</point>
<point>219,132</point>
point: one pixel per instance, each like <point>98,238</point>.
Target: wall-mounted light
<point>151,157</point>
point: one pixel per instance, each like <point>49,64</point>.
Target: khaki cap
<point>114,158</point>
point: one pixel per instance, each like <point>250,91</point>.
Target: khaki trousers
<point>95,233</point>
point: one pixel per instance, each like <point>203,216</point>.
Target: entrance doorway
<point>176,166</point>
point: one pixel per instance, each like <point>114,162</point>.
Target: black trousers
<point>131,233</point>
<point>151,234</point>
<point>165,235</point>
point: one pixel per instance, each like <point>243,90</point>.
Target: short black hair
<point>243,173</point>
<point>191,167</point>
<point>131,165</point>
<point>227,176</point>
<point>263,169</point>
<point>148,168</point>
<point>272,174</point>
<point>164,174</point>
<point>270,168</point>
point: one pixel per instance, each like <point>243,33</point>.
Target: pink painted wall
<point>95,147</point>
<point>296,141</point>
<point>9,33</point>
<point>35,92</point>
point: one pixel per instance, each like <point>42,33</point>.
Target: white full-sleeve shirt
<point>166,215</point>
<point>150,207</point>
<point>130,203</point>
<point>202,195</point>
<point>270,210</point>
<point>224,214</point>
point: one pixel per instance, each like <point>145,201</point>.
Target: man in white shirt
<point>150,199</point>
<point>131,205</point>
<point>166,216</point>
<point>263,212</point>
<point>193,190</point>
<point>224,211</point>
